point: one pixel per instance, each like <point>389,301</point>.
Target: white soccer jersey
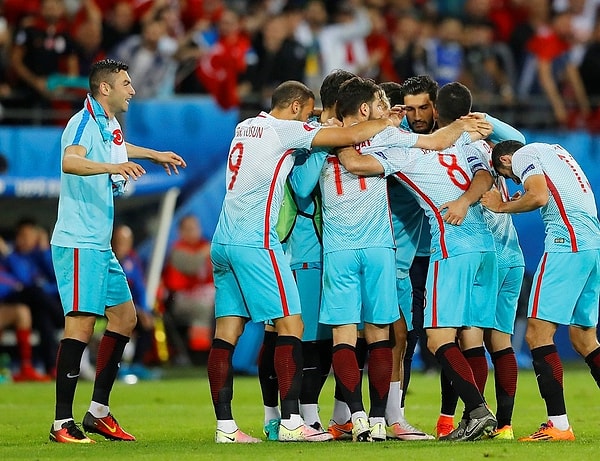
<point>260,159</point>
<point>355,208</point>
<point>508,250</point>
<point>436,178</point>
<point>570,216</point>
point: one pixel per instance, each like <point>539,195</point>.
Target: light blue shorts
<point>566,288</point>
<point>510,280</point>
<point>89,280</point>
<point>404,293</point>
<point>308,281</point>
<point>255,283</point>
<point>359,285</point>
<point>461,291</point>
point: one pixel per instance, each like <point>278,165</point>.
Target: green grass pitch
<point>173,419</point>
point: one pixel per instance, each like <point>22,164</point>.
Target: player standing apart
<point>90,279</point>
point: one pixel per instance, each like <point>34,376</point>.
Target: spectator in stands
<point>279,58</point>
<point>42,47</point>
<point>122,245</point>
<point>549,69</point>
<point>408,52</point>
<point>119,22</point>
<point>188,278</point>
<point>220,59</point>
<point>18,315</point>
<point>87,34</point>
<point>28,262</point>
<point>590,74</point>
<point>150,59</point>
<point>489,69</point>
<point>336,45</point>
<point>444,52</point>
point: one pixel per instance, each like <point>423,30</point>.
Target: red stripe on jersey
<point>538,287</point>
<point>436,212</point>
<point>284,304</point>
<point>563,213</point>
<point>434,319</point>
<point>267,228</point>
<point>75,279</point>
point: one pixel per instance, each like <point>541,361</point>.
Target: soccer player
<point>299,227</point>
<point>555,183</point>
<point>443,182</point>
<point>511,266</point>
<point>91,281</point>
<point>253,278</point>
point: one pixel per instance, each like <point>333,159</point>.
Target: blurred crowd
<point>535,57</point>
<point>180,322</point>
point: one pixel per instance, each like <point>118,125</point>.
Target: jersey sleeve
<point>305,175</point>
<point>503,131</point>
<point>525,163</point>
<point>394,159</point>
<point>297,135</point>
<point>394,137</point>
<point>475,157</point>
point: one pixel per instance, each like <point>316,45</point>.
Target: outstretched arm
<point>167,159</point>
<point>360,165</point>
<point>75,162</point>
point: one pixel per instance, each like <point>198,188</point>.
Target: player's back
<point>436,178</point>
<point>570,216</point>
<point>260,158</point>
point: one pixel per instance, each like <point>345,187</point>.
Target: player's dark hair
<point>453,101</point>
<point>331,86</point>
<point>504,148</point>
<point>104,71</point>
<point>353,93</point>
<point>393,91</point>
<point>419,85</point>
<point>288,92</point>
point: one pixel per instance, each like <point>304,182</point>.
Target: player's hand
<point>127,170</point>
<point>169,160</point>
<point>455,211</point>
<point>395,118</point>
<point>333,122</point>
<point>492,200</point>
<point>478,128</point>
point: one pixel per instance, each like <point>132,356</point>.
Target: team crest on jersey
<point>309,126</point>
<point>118,137</point>
<point>528,169</point>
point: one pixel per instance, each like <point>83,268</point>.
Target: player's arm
<point>502,131</point>
<point>167,159</point>
<point>534,197</point>
<point>304,176</point>
<point>477,127</point>
<point>456,210</point>
<point>360,165</point>
<point>334,136</point>
<point>74,161</point>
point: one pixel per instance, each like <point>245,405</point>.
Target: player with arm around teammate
<point>253,278</point>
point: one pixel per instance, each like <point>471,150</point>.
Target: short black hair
<point>418,85</point>
<point>331,85</point>
<point>104,71</point>
<point>393,91</point>
<point>453,101</point>
<point>288,92</point>
<point>353,93</point>
<point>504,148</point>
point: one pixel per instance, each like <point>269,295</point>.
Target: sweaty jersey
<point>85,204</point>
<point>570,216</point>
<point>506,240</point>
<point>355,208</point>
<point>260,158</point>
<point>436,178</point>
